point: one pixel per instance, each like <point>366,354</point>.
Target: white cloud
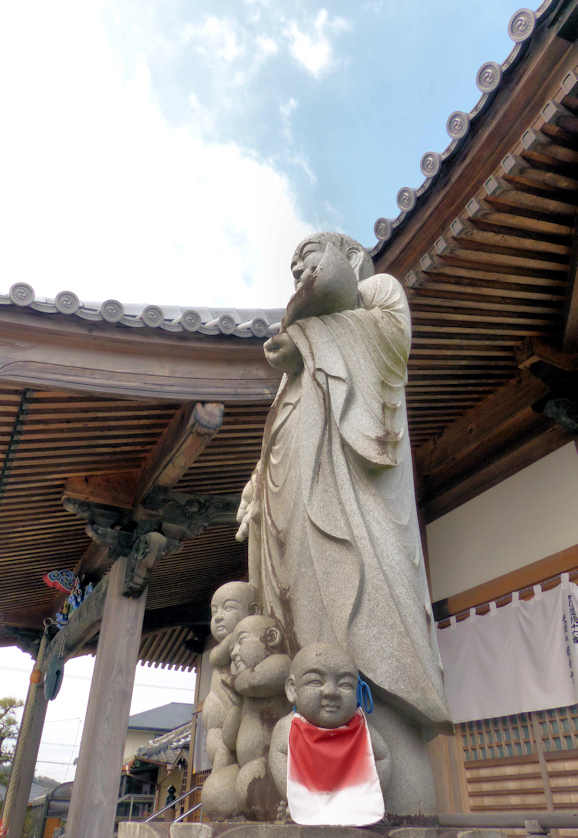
<point>314,50</point>
<point>103,195</point>
<point>267,46</point>
<point>287,109</point>
<point>215,37</point>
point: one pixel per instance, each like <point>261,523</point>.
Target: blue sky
<point>175,152</point>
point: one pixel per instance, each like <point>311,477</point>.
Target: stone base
<point>235,829</point>
<point>144,830</point>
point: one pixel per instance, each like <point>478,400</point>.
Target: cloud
<point>215,38</point>
<point>267,46</point>
<point>314,51</point>
<point>104,195</point>
<point>287,109</point>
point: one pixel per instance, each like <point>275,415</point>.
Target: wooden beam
<point>473,438</point>
<point>534,350</point>
<point>72,354</point>
<point>515,580</point>
<point>187,435</point>
<point>112,489</point>
<point>184,439</point>
<point>502,465</point>
<point>82,626</point>
<point>570,335</point>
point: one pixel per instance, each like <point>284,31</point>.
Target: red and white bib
<point>331,775</point>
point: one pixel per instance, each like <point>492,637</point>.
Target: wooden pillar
<point>24,763</point>
<point>95,792</point>
<point>196,720</point>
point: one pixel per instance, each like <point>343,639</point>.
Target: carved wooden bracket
<point>176,515</point>
<point>182,515</point>
<point>145,552</point>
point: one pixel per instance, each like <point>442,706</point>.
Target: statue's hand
<point>228,686</point>
<point>281,353</point>
<point>248,508</point>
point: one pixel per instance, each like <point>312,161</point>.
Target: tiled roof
<point>166,748</point>
<point>164,718</point>
<point>489,79</point>
<point>239,322</point>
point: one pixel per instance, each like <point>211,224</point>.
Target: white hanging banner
<point>514,659</point>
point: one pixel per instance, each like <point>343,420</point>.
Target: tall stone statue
<point>334,542</point>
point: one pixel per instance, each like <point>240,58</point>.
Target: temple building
<point>128,433</point>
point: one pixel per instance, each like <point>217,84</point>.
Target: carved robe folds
<point>334,549</point>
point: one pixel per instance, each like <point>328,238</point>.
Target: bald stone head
<point>309,252</point>
<point>323,685</point>
<point>231,603</point>
<point>254,639</point>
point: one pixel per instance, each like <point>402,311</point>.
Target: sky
<point>175,152</point>
<point>65,715</point>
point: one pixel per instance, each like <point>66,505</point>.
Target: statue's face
<point>325,690</point>
<point>306,260</point>
<point>230,604</point>
<point>254,639</point>
<point>248,650</point>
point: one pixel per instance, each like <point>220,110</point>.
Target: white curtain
<point>514,659</point>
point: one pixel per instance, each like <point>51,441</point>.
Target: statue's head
<point>231,603</point>
<point>322,685</point>
<point>309,253</point>
<point>254,639</point>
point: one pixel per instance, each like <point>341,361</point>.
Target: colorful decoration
<point>67,582</point>
<point>62,580</point>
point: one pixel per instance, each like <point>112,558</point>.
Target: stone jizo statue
<point>334,542</point>
<point>324,756</point>
<point>230,604</point>
<point>258,670</point>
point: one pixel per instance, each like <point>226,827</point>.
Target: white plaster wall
<point>135,739</point>
<point>527,517</point>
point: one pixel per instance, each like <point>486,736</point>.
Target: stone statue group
<point>337,587</point>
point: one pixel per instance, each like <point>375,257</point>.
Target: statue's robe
<point>335,547</point>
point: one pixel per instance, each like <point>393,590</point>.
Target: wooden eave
<point>489,263</point>
<point>49,436</point>
<point>489,260</point>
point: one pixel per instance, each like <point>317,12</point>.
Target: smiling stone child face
<point>323,685</point>
<point>231,603</point>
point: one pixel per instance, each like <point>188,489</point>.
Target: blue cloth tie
<point>364,696</point>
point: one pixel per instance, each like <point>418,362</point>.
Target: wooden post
<point>24,762</point>
<point>194,722</point>
<point>95,792</point>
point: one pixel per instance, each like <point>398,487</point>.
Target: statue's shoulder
<point>381,279</point>
<point>281,730</point>
<point>381,290</point>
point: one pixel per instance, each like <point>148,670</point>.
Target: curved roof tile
<point>238,322</point>
<point>489,78</point>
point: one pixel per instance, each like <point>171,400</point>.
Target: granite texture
<point>133,829</point>
<point>334,541</point>
<point>247,698</point>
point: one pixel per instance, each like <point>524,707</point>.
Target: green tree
<point>8,734</point>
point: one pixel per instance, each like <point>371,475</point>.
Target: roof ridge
<point>489,78</point>
<point>205,320</point>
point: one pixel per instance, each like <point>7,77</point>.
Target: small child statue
<point>324,757</point>
<point>259,670</point>
<point>230,604</point>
